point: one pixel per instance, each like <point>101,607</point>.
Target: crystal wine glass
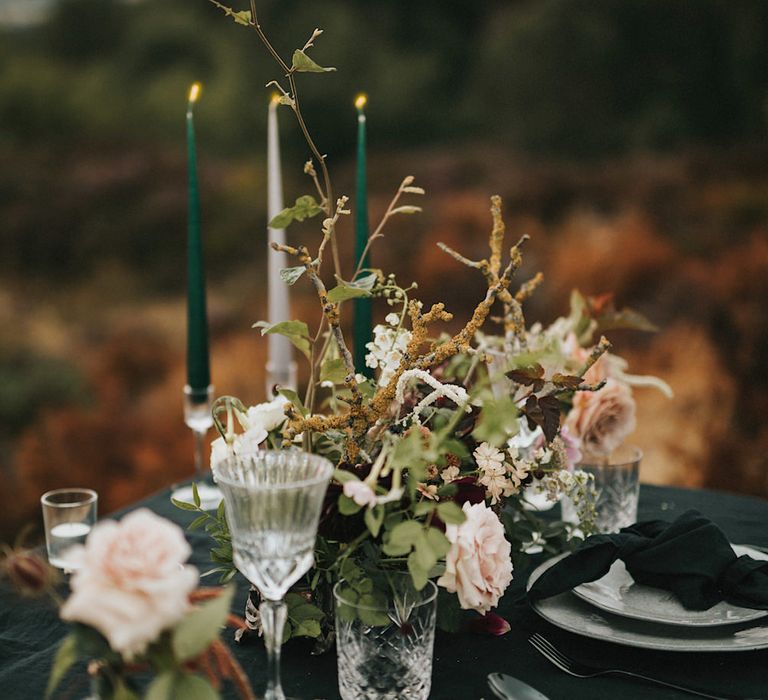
<point>273,502</point>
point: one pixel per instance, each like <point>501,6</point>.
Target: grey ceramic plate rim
<point>575,615</point>
<point>661,606</point>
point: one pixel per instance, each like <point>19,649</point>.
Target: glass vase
<point>385,640</point>
<point>617,483</point>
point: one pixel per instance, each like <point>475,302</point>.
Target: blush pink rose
<point>602,419</point>
<point>478,567</point>
<point>132,583</point>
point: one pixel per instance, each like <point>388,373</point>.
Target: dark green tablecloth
<point>29,634</point>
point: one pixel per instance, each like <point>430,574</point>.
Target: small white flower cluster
<point>502,473</point>
<point>387,347</point>
<point>577,485</point>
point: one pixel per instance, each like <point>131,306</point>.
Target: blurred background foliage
<point>627,136</point>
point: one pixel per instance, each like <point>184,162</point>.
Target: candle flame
<point>194,92</point>
<point>360,101</point>
<point>275,99</point>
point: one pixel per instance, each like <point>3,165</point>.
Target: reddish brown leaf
<point>545,413</point>
<point>532,376</point>
<point>566,381</point>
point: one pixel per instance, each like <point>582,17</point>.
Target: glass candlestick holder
<point>198,417</point>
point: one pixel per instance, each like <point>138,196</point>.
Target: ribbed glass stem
<point>273,614</point>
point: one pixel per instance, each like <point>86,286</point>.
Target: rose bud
<point>490,623</point>
<point>30,574</point>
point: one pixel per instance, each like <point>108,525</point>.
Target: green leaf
<point>195,495</point>
<point>424,507</point>
<point>374,613</point>
<point>197,522</point>
<point>123,692</point>
<point>307,628</point>
<point>405,533</point>
<point>305,208</point>
<point>300,609</point>
<point>293,397</point>
<point>183,504</point>
<point>498,421</point>
<point>395,550</point>
<point>286,328</point>
<point>418,574</point>
<point>450,513</point>
<point>366,281</point>
<point>374,517</point>
<point>361,287</point>
<point>304,64</point>
<point>173,685</point>
<point>303,617</point>
<point>243,17</point>
<point>296,331</point>
<point>425,556</point>
<point>290,275</point>
<point>66,655</point>
<point>347,506</point>
<point>333,370</point>
<point>438,541</point>
<point>201,626</point>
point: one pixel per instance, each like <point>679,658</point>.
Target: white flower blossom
<point>489,459</point>
<point>257,422</point>
<point>428,491</point>
<point>518,471</point>
<point>386,350</point>
<point>496,486</point>
<point>450,474</point>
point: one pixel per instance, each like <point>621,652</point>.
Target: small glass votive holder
<point>385,642</point>
<point>617,485</point>
<point>68,516</point>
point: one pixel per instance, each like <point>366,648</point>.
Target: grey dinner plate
<point>617,593</point>
<point>575,615</point>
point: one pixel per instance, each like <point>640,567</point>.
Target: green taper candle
<point>362,305</point>
<point>198,371</point>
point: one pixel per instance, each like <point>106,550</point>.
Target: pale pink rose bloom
<point>602,419</point>
<point>132,583</point>
<point>572,445</point>
<point>360,492</point>
<point>478,567</point>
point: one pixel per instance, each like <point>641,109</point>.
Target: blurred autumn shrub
<point>628,138</point>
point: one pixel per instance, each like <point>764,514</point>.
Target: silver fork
<point>580,670</point>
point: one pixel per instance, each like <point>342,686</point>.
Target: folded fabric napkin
<point>690,557</point>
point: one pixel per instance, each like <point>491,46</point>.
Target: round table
<point>30,632</point>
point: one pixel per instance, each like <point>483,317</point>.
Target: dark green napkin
<point>690,557</point>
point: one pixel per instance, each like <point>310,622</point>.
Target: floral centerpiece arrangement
<point>440,454</point>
